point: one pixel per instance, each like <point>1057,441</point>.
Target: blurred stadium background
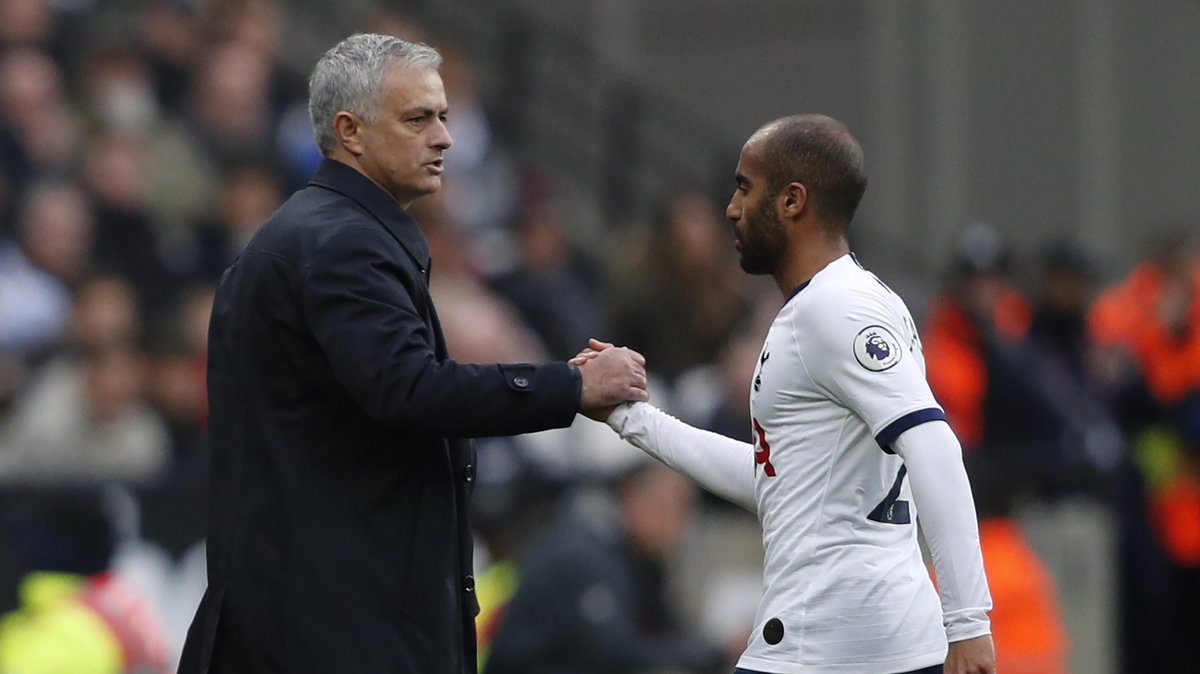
<point>1033,170</point>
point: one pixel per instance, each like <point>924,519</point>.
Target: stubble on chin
<point>762,246</point>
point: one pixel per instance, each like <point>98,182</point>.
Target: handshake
<point>611,375</point>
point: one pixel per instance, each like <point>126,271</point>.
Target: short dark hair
<point>820,153</point>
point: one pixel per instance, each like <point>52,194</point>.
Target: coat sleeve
<point>367,323</point>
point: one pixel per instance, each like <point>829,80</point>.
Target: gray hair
<point>349,77</point>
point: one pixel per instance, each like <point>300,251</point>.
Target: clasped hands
<point>611,375</point>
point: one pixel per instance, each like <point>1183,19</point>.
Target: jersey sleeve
<point>721,465</point>
<point>942,493</point>
<point>856,347</point>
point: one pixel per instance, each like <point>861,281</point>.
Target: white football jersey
<point>840,377</point>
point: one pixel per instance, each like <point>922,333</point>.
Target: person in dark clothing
<point>338,536</point>
<point>552,287</point>
<point>1069,371</point>
<point>126,242</point>
<point>591,595</point>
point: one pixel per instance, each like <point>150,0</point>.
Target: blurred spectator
<point>592,596</point>
<point>482,190</point>
<point>168,182</point>
<point>717,397</point>
<point>76,614</point>
<point>229,120</point>
<point>247,195</point>
<point>1071,521</point>
<point>679,294</point>
<point>171,38</point>
<point>26,23</point>
<point>145,89</point>
<point>34,304</point>
<point>389,20</point>
<point>260,25</point>
<point>298,154</point>
<point>515,498</point>
<point>554,287</point>
<point>81,420</point>
<point>105,315</point>
<point>1019,387</point>
<point>174,506</point>
<point>36,275</point>
<point>977,312</point>
<point>6,197</point>
<point>36,127</point>
<point>57,228</point>
<point>1070,370</point>
<point>480,327</point>
<point>1027,624</point>
<point>116,170</point>
<point>117,91</point>
<point>51,27</point>
<point>232,115</point>
<point>1153,315</point>
<point>179,347</point>
<point>34,308</point>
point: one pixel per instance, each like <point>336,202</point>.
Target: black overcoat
<point>338,538</point>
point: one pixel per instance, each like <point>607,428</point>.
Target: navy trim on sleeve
<point>893,430</point>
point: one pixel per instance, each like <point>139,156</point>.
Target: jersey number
<point>762,451</point>
<point>891,510</point>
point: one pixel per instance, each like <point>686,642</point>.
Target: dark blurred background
<point>1032,170</point>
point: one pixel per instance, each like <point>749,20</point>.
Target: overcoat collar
<point>339,177</point>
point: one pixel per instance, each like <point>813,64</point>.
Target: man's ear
<point>793,200</point>
<point>347,129</point>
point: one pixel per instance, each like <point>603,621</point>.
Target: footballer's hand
<point>611,376</point>
<point>592,350</point>
<point>971,656</point>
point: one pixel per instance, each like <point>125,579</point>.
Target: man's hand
<point>611,376</point>
<point>592,350</point>
<point>971,656</point>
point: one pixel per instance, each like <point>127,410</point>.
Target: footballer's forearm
<point>946,510</point>
<point>719,464</point>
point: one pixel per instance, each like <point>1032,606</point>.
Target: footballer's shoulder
<point>847,289</point>
<point>841,303</point>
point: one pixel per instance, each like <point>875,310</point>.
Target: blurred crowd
<point>141,144</point>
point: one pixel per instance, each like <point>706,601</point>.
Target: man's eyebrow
<point>426,112</point>
<point>741,179</point>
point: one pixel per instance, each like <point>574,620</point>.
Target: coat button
<point>469,583</point>
<point>469,472</point>
<point>521,382</point>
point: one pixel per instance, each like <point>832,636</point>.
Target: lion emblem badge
<point>876,348</point>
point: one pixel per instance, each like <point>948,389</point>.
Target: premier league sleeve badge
<point>876,348</point>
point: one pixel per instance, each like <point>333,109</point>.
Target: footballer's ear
<point>793,200</point>
<point>347,129</point>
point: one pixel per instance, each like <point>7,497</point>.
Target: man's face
<point>759,233</point>
<point>402,149</point>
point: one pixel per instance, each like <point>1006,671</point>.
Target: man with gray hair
<point>338,538</point>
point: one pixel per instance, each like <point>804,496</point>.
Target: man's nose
<point>442,139</point>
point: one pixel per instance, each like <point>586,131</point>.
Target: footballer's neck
<point>808,253</point>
